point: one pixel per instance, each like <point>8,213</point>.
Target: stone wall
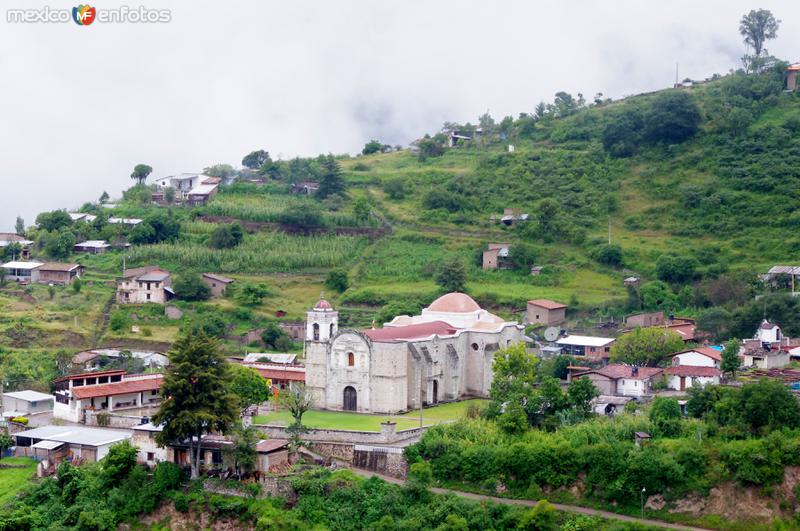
<point>385,460</point>
<point>115,420</point>
<point>387,435</point>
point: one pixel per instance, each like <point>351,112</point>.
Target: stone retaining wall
<point>387,435</point>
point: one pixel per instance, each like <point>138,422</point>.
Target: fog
<point>80,106</point>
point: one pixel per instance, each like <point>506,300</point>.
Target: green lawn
<point>12,480</point>
<point>339,420</point>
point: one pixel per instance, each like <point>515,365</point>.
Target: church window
<point>331,333</point>
<point>351,359</point>
<point>316,331</point>
<point>474,346</point>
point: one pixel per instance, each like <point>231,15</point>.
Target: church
<point>444,354</point>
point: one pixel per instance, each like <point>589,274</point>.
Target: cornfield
<point>262,252</point>
<point>268,209</point>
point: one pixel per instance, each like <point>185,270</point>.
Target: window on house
<point>537,315</point>
<point>351,359</point>
<point>592,349</point>
<point>151,456</point>
<point>154,392</point>
<point>148,296</point>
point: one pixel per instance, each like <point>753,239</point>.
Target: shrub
<point>337,280</point>
<point>226,236</point>
<point>190,287</point>
<point>167,476</point>
<point>609,254</point>
<point>118,321</point>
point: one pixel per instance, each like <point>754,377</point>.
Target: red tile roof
<point>271,445</point>
<point>617,371</point>
<point>685,330</point>
<point>547,304</point>
<point>712,353</point>
<point>280,374</point>
<point>118,388</point>
<point>690,370</point>
<point>415,331</point>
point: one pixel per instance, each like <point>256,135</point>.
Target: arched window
<point>316,331</point>
<point>475,346</point>
<point>351,359</point>
<point>331,334</point>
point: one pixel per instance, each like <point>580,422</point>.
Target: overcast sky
<point>80,106</point>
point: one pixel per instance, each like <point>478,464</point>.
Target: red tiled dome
<point>454,303</point>
<point>322,304</point>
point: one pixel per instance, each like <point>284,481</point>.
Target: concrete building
<point>698,357</point>
<point>25,272</point>
<point>98,359</point>
<point>791,76</point>
<point>56,443</point>
<point>496,256</point>
<point>144,438</point>
<point>201,194</point>
<point>639,320</point>
<point>25,245</point>
<point>216,283</point>
<point>547,312</point>
<point>26,403</point>
<point>589,346</point>
<point>59,273</point>
<point>768,349</point>
<point>682,377</point>
<point>624,380</point>
<point>104,391</point>
<point>143,285</point>
<point>446,353</point>
<point>272,453</point>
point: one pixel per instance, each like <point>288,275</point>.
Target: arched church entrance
<point>350,399</point>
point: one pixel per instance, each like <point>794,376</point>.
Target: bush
<point>609,254</point>
<point>190,287</point>
<point>118,321</point>
<point>337,280</point>
<point>226,236</point>
<point>167,476</point>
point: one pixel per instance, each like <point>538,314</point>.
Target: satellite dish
<point>552,333</point>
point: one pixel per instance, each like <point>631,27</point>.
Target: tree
<point>730,357</point>
<point>580,393</point>
<point>757,27</point>
<point>190,287</point>
<point>373,146</point>
<point>255,159</point>
<point>547,214</point>
<point>514,376</point>
<point>19,226</point>
<point>715,322</point>
<point>169,195</point>
<point>53,221</point>
<point>119,462</point>
<point>646,346</point>
<point>77,284</point>
<point>226,236</point>
<point>676,269</point>
<point>297,400</point>
<point>608,254</point>
<point>252,294</point>
<point>196,395</point>
<point>223,171</point>
<point>657,295</point>
<point>104,197</point>
<point>431,147</point>
<point>337,280</point>
<point>331,182</point>
<point>242,452</point>
<point>140,173</point>
<point>665,414</point>
<point>271,335</point>
<point>623,133</point>
<point>361,209</point>
<point>395,188</point>
<point>249,387</point>
<point>452,275</point>
<point>673,118</point>
<point>6,442</point>
<point>59,246</point>
<point>768,404</point>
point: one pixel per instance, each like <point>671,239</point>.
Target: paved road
<point>531,503</point>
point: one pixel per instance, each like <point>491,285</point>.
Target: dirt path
<point>530,503</point>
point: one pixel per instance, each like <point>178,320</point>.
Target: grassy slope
<point>12,480</point>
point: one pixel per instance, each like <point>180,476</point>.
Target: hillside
<point>695,186</point>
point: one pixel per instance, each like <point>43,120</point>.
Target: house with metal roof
<point>92,247</point>
<point>589,346</point>
<point>145,284</point>
<point>26,403</point>
<point>25,272</point>
<point>77,443</point>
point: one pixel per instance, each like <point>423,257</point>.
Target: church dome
<point>454,303</point>
<point>322,304</point>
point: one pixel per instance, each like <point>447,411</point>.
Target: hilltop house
<point>445,353</point>
<point>82,216</point>
<point>588,346</point>
<point>104,391</point>
<point>496,256</point>
<point>182,183</point>
<point>59,273</point>
<point>768,349</point>
<point>216,283</point>
<point>9,238</point>
<point>201,194</point>
<point>24,272</point>
<point>625,380</point>
<point>544,311</point>
<point>509,217</point>
<point>99,358</point>
<point>92,247</point>
<point>143,285</point>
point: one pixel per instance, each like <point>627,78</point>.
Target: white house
<point>144,438</point>
<point>128,222</point>
<point>82,216</point>
<point>624,380</point>
<point>698,357</point>
<point>143,285</point>
<point>26,403</point>
<point>589,346</point>
<point>92,247</point>
<point>56,443</point>
<point>104,391</point>
<point>768,349</point>
<point>27,272</point>
<point>681,377</point>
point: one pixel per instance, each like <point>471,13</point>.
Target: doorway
<point>350,399</point>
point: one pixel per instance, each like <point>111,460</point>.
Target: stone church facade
<point>444,354</point>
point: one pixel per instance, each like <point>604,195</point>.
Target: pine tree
<point>331,182</point>
<point>19,227</point>
<point>196,393</point>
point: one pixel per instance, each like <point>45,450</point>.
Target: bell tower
<point>322,321</point>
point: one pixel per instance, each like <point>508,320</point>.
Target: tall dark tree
<point>758,26</point>
<point>196,393</point>
<point>452,275</point>
<point>141,172</point>
<point>19,226</point>
<point>255,159</point>
<point>331,182</point>
<point>673,118</point>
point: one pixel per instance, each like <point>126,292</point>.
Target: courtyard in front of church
<point>342,420</point>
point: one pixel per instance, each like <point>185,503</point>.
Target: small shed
<point>92,247</point>
<point>216,283</point>
<point>27,402</point>
<point>545,311</point>
<point>641,438</point>
<point>59,273</point>
<point>272,453</point>
<point>631,281</point>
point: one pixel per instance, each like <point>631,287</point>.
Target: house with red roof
<point>445,353</point>
<point>623,380</point>
<point>104,391</point>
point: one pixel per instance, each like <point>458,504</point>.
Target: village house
<point>92,247</point>
<point>100,358</point>
<point>496,256</point>
<point>632,282</point>
<point>544,311</point>
<point>143,285</point>
<point>104,391</point>
<point>216,283</point>
<point>182,183</point>
<point>59,273</point>
<point>279,376</point>
<point>201,194</point>
<point>8,238</point>
<point>638,320</point>
<point>26,403</point>
<point>509,217</point>
<point>791,76</point>
<point>625,380</point>
<point>779,273</point>
<point>82,216</point>
<point>445,353</point>
<point>698,357</point>
<point>768,349</point>
<point>609,405</point>
<point>272,454</point>
<point>24,272</point>
<point>457,137</point>
<point>305,187</point>
<point>79,444</point>
<point>282,359</point>
<point>587,346</point>
<point>682,377</point>
<point>127,222</point>
<point>144,438</point>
